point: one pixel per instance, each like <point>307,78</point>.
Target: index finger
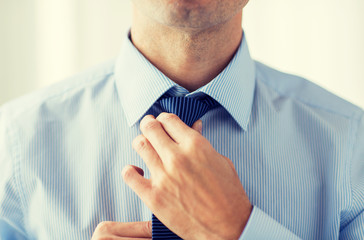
<point>175,127</point>
<point>157,136</point>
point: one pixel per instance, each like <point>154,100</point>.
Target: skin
<point>192,188</point>
<point>116,230</point>
<point>190,41</point>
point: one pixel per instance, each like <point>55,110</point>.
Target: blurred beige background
<point>44,41</point>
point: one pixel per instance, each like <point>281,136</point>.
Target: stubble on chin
<point>191,16</point>
<point>187,15</point>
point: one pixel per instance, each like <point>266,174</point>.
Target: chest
<point>76,182</point>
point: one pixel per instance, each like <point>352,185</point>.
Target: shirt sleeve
<point>352,226</point>
<point>261,226</point>
<point>11,215</point>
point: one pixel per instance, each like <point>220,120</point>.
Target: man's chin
<point>188,19</point>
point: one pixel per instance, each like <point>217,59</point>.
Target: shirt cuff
<point>261,226</point>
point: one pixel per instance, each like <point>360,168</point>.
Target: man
<point>273,157</point>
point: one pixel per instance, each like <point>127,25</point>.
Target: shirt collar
<point>140,84</point>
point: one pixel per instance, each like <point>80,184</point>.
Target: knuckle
<point>231,164</point>
<point>140,143</point>
<point>176,158</point>
<point>155,197</point>
<point>147,228</point>
<point>195,141</point>
<point>164,116</point>
<point>178,161</point>
<point>149,124</point>
<point>103,226</point>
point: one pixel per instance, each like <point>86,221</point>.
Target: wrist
<point>238,226</point>
<point>230,230</point>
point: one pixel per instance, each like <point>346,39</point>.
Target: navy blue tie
<point>189,110</point>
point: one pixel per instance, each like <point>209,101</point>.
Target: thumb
<point>197,126</point>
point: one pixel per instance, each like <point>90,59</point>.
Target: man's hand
<point>193,190</point>
<point>116,230</point>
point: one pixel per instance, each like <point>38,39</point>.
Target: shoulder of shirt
<point>66,88</point>
<point>307,93</point>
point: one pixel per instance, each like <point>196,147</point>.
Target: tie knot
<point>188,109</point>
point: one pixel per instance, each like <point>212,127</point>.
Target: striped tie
<point>189,110</point>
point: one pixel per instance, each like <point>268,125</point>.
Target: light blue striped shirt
<point>298,150</point>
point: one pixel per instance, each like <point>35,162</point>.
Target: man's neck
<point>189,58</point>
